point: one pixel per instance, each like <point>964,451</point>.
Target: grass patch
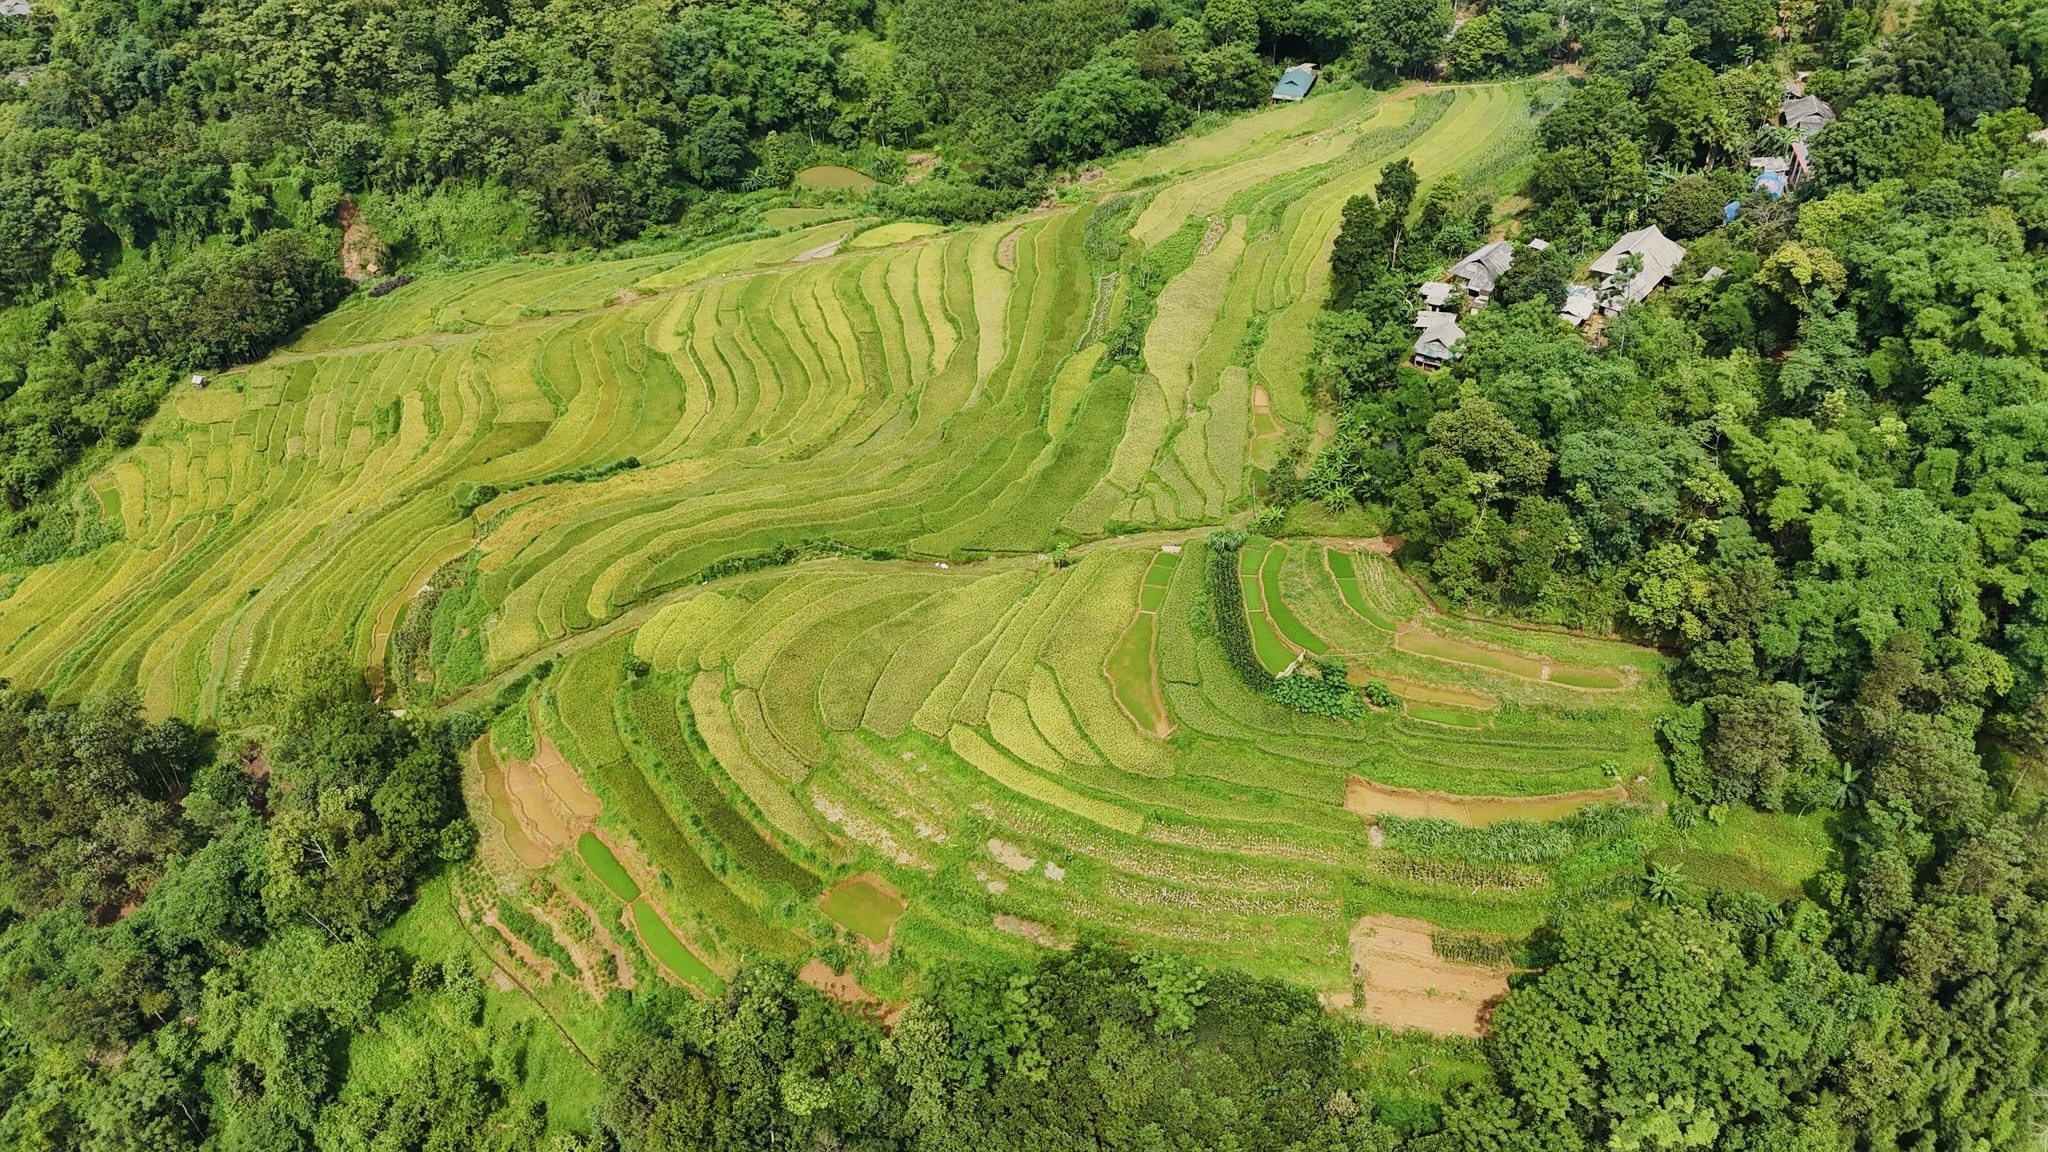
<point>835,178</point>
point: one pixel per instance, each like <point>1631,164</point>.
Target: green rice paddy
<point>671,952</point>
<point>607,867</point>
<point>778,515</point>
<point>864,905</point>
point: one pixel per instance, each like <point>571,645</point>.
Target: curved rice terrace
<point>770,520</point>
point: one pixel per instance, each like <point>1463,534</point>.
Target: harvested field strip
<point>1407,985</point>
<point>1427,693</point>
<point>1447,716</point>
<point>1456,651</point>
<point>1369,799</point>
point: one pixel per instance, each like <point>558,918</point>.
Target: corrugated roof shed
<point>1438,344</point>
<point>1482,269</point>
<point>1660,255</point>
<point>1295,82</point>
<point>1579,302</point>
<point>1806,115</point>
<point>14,7</point>
<point>1435,292</point>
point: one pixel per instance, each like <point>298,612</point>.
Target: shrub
<point>1321,692</point>
<point>1226,605</point>
<point>1379,695</point>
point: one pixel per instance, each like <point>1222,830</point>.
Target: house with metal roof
<point>1806,115</point>
<point>1436,293</point>
<point>1437,345</point>
<point>1634,267</point>
<point>1295,82</point>
<point>1579,303</point>
<point>1482,270</point>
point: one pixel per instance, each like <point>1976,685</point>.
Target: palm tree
<point>1667,884</point>
<point>1846,791</point>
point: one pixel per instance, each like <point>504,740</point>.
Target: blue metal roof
<point>1295,83</point>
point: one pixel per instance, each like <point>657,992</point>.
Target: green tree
<point>1095,109</point>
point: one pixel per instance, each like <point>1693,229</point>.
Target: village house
<point>1580,302</point>
<point>1481,271</point>
<point>1634,267</point>
<point>1295,83</point>
<point>1438,342</point>
<point>1805,115</point>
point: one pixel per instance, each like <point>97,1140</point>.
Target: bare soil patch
<point>1262,401</point>
<point>1010,856</point>
<point>917,167</point>
<point>1407,985</point>
<point>1006,251</point>
<point>829,248</point>
<point>1458,650</point>
<point>362,251</point>
<point>1031,930</point>
<point>1369,799</point>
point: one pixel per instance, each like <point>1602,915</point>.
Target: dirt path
<point>1407,985</point>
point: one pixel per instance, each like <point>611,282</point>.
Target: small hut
<point>1295,83</point>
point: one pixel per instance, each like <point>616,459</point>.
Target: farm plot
<point>779,518</point>
<point>955,749</point>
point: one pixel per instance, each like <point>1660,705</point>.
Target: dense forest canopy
<point>1813,475</point>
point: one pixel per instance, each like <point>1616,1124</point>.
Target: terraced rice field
<point>777,517</point>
